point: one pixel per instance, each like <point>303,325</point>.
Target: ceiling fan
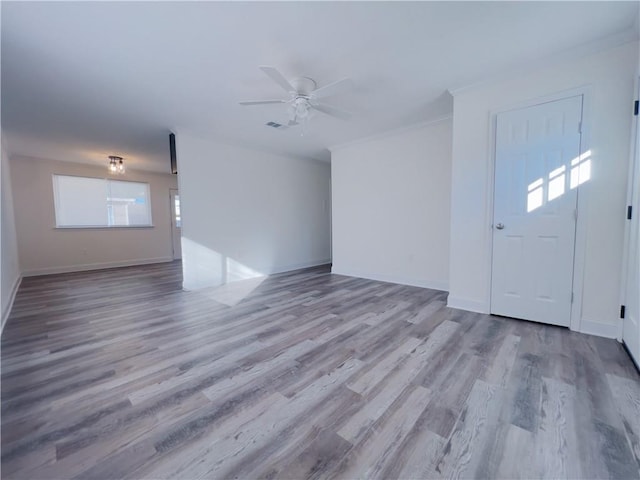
<point>304,95</point>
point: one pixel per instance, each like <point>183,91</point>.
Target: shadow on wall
<point>436,109</point>
<point>204,267</point>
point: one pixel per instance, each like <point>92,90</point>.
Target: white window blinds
<point>83,202</point>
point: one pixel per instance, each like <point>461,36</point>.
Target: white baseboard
<point>94,266</point>
<point>213,281</point>
<point>606,330</point>
<point>466,304</point>
<point>296,266</point>
<point>9,306</point>
<point>413,282</point>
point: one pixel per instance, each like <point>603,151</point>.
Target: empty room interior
<point>320,240</point>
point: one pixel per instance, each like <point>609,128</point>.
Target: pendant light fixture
<point>116,165</point>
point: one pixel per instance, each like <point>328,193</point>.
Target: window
<point>83,202</point>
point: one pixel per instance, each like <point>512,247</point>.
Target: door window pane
<point>177,210</point>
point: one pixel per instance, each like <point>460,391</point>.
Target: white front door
<point>176,223</point>
<point>631,332</point>
<point>537,171</point>
<point>631,322</point>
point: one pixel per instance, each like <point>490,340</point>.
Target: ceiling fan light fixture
<point>301,108</point>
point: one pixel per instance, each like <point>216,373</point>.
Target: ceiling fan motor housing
<point>304,85</point>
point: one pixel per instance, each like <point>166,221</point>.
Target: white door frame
<point>633,195</point>
<point>582,193</point>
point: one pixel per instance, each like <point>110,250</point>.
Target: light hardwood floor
<point>121,374</point>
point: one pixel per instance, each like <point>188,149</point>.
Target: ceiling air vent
<point>274,124</point>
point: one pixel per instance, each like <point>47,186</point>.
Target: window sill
<point>114,227</point>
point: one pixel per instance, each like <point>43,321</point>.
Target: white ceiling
<point>83,80</point>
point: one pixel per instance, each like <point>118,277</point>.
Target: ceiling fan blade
<point>262,102</point>
<point>277,77</point>
<point>333,111</point>
<point>333,88</point>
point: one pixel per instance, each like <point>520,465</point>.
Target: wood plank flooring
<point>121,374</point>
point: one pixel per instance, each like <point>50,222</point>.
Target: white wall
<point>390,199</point>
<point>10,267</point>
<point>45,249</point>
<point>609,78</point>
<point>246,213</point>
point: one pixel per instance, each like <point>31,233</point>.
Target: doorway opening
<point>176,223</point>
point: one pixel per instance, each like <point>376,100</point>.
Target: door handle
<point>499,226</point>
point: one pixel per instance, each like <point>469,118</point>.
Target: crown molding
<point>619,39</point>
<point>391,133</point>
<point>231,142</point>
